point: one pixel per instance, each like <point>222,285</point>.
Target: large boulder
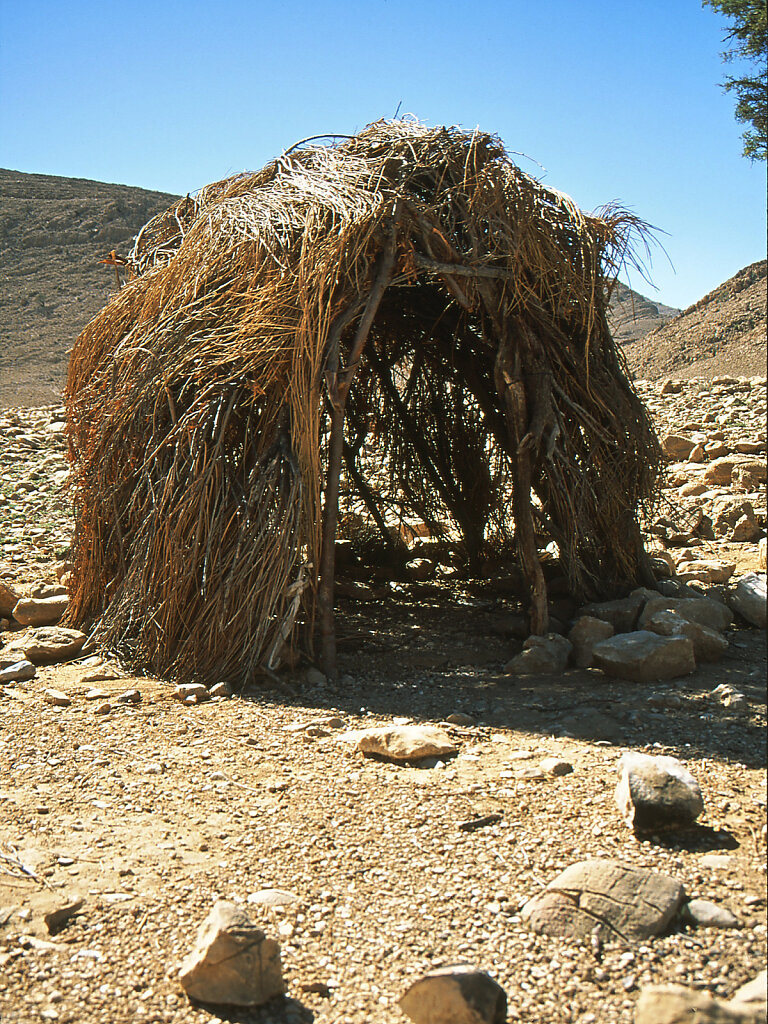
<point>541,655</point>
<point>622,614</point>
<point>233,963</point>
<point>654,793</point>
<point>607,898</point>
<point>584,634</point>
<point>644,657</point>
<point>708,644</point>
<point>749,598</point>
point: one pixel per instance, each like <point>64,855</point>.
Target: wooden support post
<point>339,382</point>
<point>511,389</point>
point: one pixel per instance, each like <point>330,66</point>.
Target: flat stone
<point>718,861</point>
<point>706,571</point>
<point>35,611</point>
<point>705,914</point>
<point>273,898</point>
<point>129,697</point>
<point>57,697</point>
<point>457,994</point>
<point>677,447</point>
<point>655,793</point>
<point>605,898</point>
<point>644,657</point>
<point>721,470</point>
<point>753,995</point>
<point>708,644</point>
<point>221,690</point>
<point>696,609</point>
<point>585,633</point>
<point>17,672</point>
<point>749,474</point>
<point>745,530</point>
<point>405,742</point>
<point>541,655</point>
<point>675,1004</point>
<point>48,645</point>
<point>233,962</point>
<point>56,920</point>
<point>749,598</point>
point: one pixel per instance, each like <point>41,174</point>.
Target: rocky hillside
<point>53,231</point>
<point>723,333</point>
<point>632,316</point>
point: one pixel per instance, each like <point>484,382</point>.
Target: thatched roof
<point>459,306</point>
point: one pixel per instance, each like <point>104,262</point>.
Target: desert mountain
<point>722,334</point>
<point>54,230</point>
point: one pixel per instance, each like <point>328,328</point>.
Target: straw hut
<point>407,286</point>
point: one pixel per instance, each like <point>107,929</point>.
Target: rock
<point>706,571</point>
<point>49,645</point>
<point>676,447</point>
<point>461,719</point>
<point>655,793</point>
<point>556,766</point>
<point>196,691</point>
<point>233,962</point>
<point>718,861</point>
<point>675,1004</point>
<point>622,614</point>
<point>708,644</point>
<point>727,511</point>
<point>749,474</point>
<point>36,611</point>
<point>8,600</point>
<point>273,898</point>
<point>456,994</point>
<point>405,742</point>
<point>96,694</point>
<point>697,454</point>
<point>420,569</point>
<point>16,671</point>
<point>705,914</point>
<point>644,657</point>
<point>749,598</point>
<point>545,655</point>
<point>752,996</point>
<point>56,697</point>
<point>221,690</point>
<point>608,899</point>
<point>703,610</point>
<point>129,697</point>
<point>749,447</point>
<point>692,489</point>
<point>720,471</point>
<point>315,677</point>
<point>745,530</point>
<point>100,674</point>
<point>585,633</point>
<point>57,919</point>
<point>762,553</point>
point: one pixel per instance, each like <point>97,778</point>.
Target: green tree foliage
<point>749,33</point>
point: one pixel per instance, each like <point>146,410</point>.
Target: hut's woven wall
<point>197,407</point>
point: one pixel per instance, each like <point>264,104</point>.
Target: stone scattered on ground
<point>456,994</point>
<point>706,914</point>
<point>405,742</point>
<point>47,645</point>
<point>656,793</point>
<point>59,918</point>
<point>644,656</point>
<point>12,671</point>
<point>607,899</point>
<point>233,963</point>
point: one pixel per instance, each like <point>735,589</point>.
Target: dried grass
<point>198,399</point>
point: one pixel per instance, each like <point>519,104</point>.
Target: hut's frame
<point>196,398</point>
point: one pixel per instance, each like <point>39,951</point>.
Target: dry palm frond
<point>198,406</point>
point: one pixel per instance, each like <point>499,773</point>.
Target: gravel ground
<point>152,812</point>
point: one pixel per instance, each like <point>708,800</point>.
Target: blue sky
<point>611,101</point>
